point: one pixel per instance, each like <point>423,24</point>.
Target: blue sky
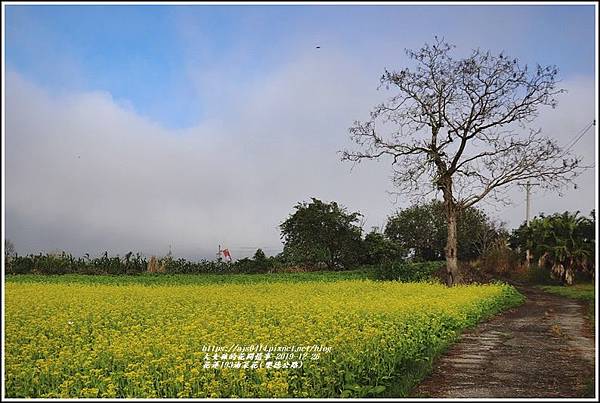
<point>139,127</point>
<point>144,55</point>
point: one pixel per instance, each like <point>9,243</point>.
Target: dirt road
<point>544,348</point>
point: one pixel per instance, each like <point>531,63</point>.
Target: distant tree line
<point>327,236</point>
<point>66,263</point>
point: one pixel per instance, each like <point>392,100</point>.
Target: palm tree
<point>559,243</point>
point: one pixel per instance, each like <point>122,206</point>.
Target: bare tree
<point>9,250</point>
<point>461,127</point>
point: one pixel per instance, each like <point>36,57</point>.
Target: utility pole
<point>527,197</point>
<point>528,186</point>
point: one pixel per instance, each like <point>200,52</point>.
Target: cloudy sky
<point>139,127</point>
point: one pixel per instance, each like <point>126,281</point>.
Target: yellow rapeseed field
<point>91,340</point>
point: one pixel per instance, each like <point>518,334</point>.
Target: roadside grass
<point>582,292</point>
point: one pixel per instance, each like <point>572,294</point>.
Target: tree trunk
<point>451,249</point>
<point>452,210</point>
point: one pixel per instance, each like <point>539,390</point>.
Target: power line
<point>252,248</point>
<point>528,198</point>
<point>580,133</point>
<point>515,205</point>
<point>583,132</point>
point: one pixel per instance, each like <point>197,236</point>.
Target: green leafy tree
<point>259,256</point>
<point>378,249</point>
<point>423,229</point>
<point>322,233</point>
<point>261,261</point>
<point>419,228</point>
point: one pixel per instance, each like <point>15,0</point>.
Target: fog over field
<point>89,167</point>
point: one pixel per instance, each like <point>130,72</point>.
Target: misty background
<point>139,128</point>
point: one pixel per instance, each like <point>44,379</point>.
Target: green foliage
<point>183,266</point>
<point>424,229</point>
<point>563,243</point>
<point>259,256</point>
<point>247,265</point>
<point>319,233</point>
<point>378,249</point>
<point>65,263</point>
<point>421,228</point>
<point>260,263</point>
<point>583,292</point>
<point>539,275</point>
<point>408,272</point>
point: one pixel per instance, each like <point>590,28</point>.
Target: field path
<point>543,348</point>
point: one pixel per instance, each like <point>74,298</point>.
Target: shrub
<point>405,271</point>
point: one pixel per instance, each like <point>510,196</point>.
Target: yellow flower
<point>146,341</point>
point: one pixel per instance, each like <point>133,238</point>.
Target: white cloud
<point>85,174</point>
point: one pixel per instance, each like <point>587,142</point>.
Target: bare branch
<point>464,123</point>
